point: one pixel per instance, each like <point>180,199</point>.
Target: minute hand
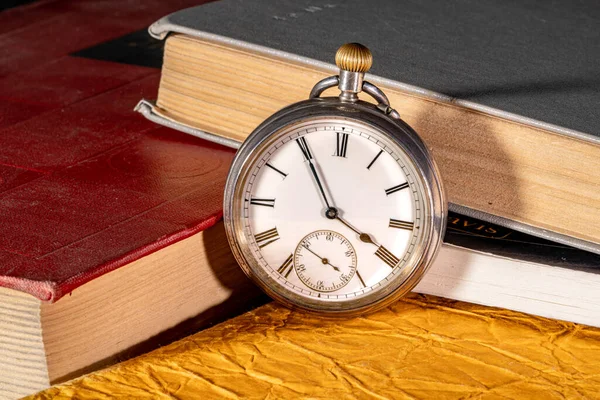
<point>301,142</point>
<point>316,176</point>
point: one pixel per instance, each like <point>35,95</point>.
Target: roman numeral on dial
<point>387,256</point>
<point>375,159</point>
<point>266,237</point>
<point>304,148</point>
<point>277,170</point>
<point>396,188</point>
<point>341,144</point>
<point>286,267</point>
<point>396,223</point>
<point>263,202</point>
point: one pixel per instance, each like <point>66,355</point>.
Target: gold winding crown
<point>354,57</point>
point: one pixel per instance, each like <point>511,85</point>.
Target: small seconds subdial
<point>325,261</point>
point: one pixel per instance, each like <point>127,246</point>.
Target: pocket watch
<point>334,204</point>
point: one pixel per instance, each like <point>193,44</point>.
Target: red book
<point>88,186</point>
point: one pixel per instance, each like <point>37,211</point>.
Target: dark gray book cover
<point>537,59</point>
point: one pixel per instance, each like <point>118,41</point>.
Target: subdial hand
<point>323,260</point>
<point>364,237</point>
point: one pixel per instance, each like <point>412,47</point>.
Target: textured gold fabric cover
<point>421,348</point>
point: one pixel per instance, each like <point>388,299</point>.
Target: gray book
<point>531,62</point>
<point>480,55</point>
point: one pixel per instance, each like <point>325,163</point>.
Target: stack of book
<point>122,250</point>
<point>527,191</point>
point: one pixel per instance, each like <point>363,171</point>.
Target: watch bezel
<point>396,131</point>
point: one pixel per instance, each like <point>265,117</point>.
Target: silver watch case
<point>398,132</point>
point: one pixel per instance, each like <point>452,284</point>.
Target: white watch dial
<point>331,177</point>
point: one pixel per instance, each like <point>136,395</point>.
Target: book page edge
<point>475,277</point>
<point>163,27</point>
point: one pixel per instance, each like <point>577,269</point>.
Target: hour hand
<point>364,237</point>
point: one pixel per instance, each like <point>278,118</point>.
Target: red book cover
<point>86,184</point>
